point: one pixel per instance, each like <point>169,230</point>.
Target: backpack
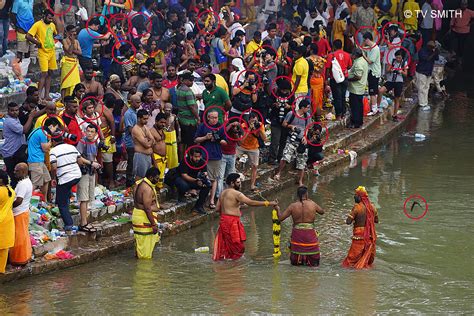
<point>242,102</point>
<point>337,72</point>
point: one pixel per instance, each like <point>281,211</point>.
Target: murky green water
<point>423,266</point>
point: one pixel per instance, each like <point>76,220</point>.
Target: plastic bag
<point>337,73</point>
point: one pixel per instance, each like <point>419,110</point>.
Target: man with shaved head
<point>20,254</point>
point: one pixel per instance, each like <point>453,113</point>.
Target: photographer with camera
<point>396,70</point>
<point>211,136</point>
<point>39,145</point>
<point>296,144</point>
<point>69,117</point>
<point>88,149</point>
<point>245,94</point>
<point>251,143</point>
<point>192,175</point>
<point>282,102</point>
<point>229,150</point>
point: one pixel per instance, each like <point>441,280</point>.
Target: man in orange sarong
<point>20,254</point>
<point>230,238</point>
<point>364,216</point>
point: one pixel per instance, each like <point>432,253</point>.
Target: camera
<point>204,179</point>
<point>294,135</point>
<point>251,82</point>
<point>216,136</point>
<point>70,136</point>
<point>237,131</point>
<point>103,146</point>
<point>256,125</point>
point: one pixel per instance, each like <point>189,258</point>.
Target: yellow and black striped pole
<point>276,234</point>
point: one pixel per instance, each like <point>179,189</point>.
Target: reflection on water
<point>421,266</point>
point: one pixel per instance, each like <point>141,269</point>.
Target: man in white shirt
<point>426,25</point>
<point>20,254</point>
<point>65,161</point>
<point>312,17</point>
<point>341,6</point>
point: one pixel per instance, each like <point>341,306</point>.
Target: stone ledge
<point>107,244</point>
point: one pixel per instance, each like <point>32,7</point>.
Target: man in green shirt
<point>372,56</point>
<point>187,111</point>
<point>215,96</point>
<point>357,83</point>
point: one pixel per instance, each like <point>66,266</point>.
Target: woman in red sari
<point>364,216</point>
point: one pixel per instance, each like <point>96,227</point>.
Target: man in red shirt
<point>338,89</point>
<point>323,45</point>
<point>70,121</point>
<point>171,78</point>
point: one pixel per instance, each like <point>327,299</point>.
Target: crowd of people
<point>182,90</point>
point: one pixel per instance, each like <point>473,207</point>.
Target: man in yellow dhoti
<point>69,63</point>
<point>144,216</point>
<point>159,146</point>
<point>7,223</point>
<point>172,137</point>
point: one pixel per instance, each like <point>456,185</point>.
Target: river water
<point>422,266</point>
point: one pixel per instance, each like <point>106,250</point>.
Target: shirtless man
<point>172,136</point>
<point>159,147</point>
<point>107,127</point>
<point>92,86</point>
<point>227,245</point>
<point>159,92</point>
<point>114,86</point>
<point>304,246</point>
<point>132,84</point>
<point>145,226</point>
<point>143,145</point>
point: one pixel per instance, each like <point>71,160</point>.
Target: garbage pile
<point>13,74</point>
<point>45,219</point>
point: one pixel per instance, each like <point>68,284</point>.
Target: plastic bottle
<point>420,136</point>
<point>202,250</point>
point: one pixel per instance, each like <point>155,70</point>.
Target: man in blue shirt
<point>130,120</point>
<point>22,16</point>
<point>14,148</point>
<point>211,136</point>
<point>38,146</point>
<point>87,38</point>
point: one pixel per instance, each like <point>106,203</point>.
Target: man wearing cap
<point>357,82</point>
<point>187,111</point>
<point>426,59</point>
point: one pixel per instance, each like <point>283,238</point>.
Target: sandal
<point>276,177</point>
<point>88,228</point>
<point>212,206</point>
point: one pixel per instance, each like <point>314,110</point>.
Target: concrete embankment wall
<point>113,237</point>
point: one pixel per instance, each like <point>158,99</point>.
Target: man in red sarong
<point>304,245</point>
<point>229,241</point>
<point>364,215</point>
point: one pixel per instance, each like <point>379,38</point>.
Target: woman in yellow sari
<point>69,63</point>
<point>316,80</point>
<point>158,55</point>
<point>7,222</point>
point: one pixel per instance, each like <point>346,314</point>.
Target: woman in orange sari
<point>364,216</point>
<point>316,80</point>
